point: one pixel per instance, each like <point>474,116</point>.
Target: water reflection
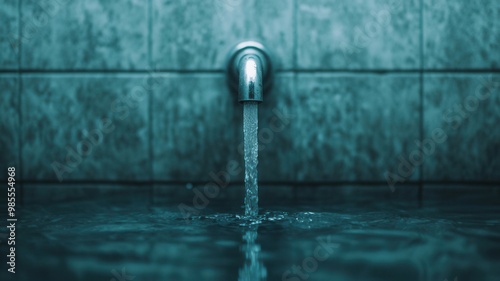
<point>253,269</point>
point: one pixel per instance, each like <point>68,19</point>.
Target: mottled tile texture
<point>466,108</point>
<point>277,134</point>
<point>358,34</point>
<point>9,34</point>
<point>194,128</point>
<point>197,34</point>
<point>95,34</point>
<point>340,111</point>
<point>353,127</point>
<point>85,128</point>
<point>9,125</point>
<point>462,34</point>
<point>197,130</point>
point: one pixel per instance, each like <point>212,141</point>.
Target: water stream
<point>250,127</point>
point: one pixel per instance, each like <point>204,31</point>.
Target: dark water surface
<point>128,240</point>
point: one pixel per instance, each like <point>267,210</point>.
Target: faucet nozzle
<point>250,81</point>
<point>249,71</point>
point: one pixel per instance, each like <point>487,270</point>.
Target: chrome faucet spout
<point>250,81</point>
<point>249,71</point>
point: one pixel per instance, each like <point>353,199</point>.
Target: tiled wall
<point>134,90</point>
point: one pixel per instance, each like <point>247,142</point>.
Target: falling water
<point>250,125</point>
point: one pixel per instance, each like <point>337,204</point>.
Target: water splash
<point>250,127</point>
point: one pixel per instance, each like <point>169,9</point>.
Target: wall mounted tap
<point>249,71</point>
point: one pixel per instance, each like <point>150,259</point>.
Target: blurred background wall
<point>367,91</point>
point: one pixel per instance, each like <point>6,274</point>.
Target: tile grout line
<point>150,35</point>
<point>19,100</point>
<point>295,35</point>
<point>218,71</point>
<point>332,184</point>
<point>421,96</point>
<point>294,73</point>
<point>150,100</point>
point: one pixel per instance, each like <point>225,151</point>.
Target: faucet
<point>249,71</point>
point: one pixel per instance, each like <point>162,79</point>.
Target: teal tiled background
<point>135,91</point>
